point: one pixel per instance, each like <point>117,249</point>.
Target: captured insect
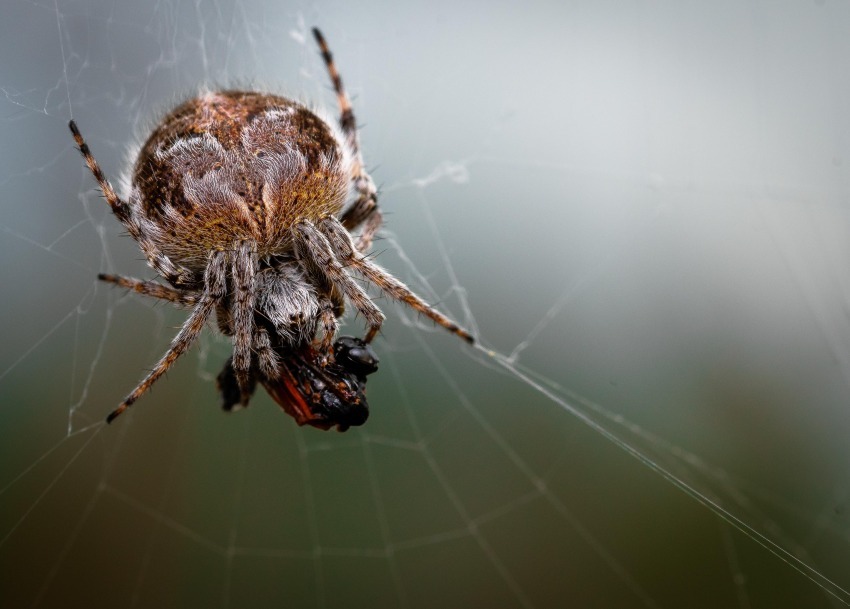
<point>244,203</point>
<point>312,390</point>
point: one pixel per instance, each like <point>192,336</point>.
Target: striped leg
<point>365,209</point>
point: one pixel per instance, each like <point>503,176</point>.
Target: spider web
<point>641,212</point>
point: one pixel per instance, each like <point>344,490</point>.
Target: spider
<point>238,201</point>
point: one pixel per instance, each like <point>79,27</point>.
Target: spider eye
<point>355,356</point>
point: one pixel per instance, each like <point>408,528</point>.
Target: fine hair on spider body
<point>244,203</point>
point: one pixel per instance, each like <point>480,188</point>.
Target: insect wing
<point>293,392</point>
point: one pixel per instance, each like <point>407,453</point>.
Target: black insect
<point>313,389</point>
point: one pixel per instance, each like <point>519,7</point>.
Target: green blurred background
<point>646,203</point>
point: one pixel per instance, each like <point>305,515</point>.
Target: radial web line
<point>809,572</point>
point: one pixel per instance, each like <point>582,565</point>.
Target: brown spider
<point>237,201</point>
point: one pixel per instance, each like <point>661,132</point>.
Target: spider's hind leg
<point>175,274</point>
<point>365,209</point>
<point>346,116</point>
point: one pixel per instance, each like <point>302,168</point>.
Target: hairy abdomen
<point>232,166</point>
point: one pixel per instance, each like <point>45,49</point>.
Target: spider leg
<point>346,116</point>
<point>214,290</point>
<point>330,325</point>
<point>173,273</point>
<point>244,265</point>
<point>151,288</point>
<point>228,387</point>
<point>266,356</point>
<point>347,253</point>
<point>365,208</point>
<point>316,255</point>
<point>232,397</point>
<point>373,222</point>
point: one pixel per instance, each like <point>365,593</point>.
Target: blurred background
<point>641,208</point>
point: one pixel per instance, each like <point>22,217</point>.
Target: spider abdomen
<point>233,166</point>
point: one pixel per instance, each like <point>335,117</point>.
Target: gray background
<point>649,199</point>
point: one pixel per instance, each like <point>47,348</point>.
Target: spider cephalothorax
<point>238,200</point>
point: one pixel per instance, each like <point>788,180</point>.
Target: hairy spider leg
<point>266,357</point>
<point>175,274</point>
<point>214,291</point>
<point>243,270</point>
<point>365,209</point>
<point>152,289</point>
<point>316,255</point>
<point>349,256</point>
<point>330,326</point>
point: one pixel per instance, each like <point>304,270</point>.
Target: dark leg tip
<point>78,137</point>
<point>318,36</point>
<point>114,414</point>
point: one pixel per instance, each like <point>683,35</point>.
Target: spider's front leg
<point>330,326</point>
<point>316,255</point>
<point>232,396</point>
<point>243,271</point>
<point>265,366</point>
<point>345,251</point>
